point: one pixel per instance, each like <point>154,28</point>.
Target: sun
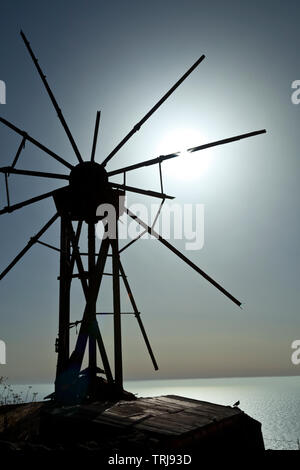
<point>187,166</point>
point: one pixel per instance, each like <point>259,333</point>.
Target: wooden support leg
<point>64,298</point>
<point>117,312</point>
<point>91,268</point>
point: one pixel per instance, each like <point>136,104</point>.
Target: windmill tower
<point>88,187</point>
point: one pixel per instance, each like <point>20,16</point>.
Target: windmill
<point>88,186</point>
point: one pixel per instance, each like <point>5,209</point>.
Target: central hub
<point>88,180</point>
<point>88,188</point>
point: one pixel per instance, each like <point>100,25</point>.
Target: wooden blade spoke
<point>10,170</point>
<point>95,136</point>
<point>32,200</point>
<point>183,257</point>
<point>152,110</point>
<point>141,191</point>
<point>161,158</point>
<point>52,98</point>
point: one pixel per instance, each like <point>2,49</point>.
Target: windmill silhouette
<point>88,186</point>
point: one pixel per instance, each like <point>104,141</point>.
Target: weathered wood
<point>170,421</point>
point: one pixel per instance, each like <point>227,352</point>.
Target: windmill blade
<point>161,158</point>
<point>14,207</point>
<point>52,98</point>
<point>36,143</point>
<point>183,257</point>
<point>226,141</point>
<point>141,191</point>
<point>31,242</point>
<point>137,315</point>
<point>42,174</point>
<point>152,110</point>
<point>95,136</point>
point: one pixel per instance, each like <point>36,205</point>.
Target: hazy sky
<point>121,57</point>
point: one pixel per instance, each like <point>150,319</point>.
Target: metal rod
<point>31,242</point>
<point>27,202</point>
<point>108,274</point>
<point>9,169</point>
<point>95,136</point>
<point>141,191</point>
<point>96,254</point>
<point>152,110</point>
<point>21,146</point>
<point>137,314</point>
<point>86,254</point>
<point>184,258</point>
<point>158,212</point>
<point>160,177</point>
<point>49,246</point>
<point>162,158</point>
<point>7,190</point>
<point>77,322</point>
<point>52,98</point>
<point>121,313</point>
<point>84,275</point>
<point>132,241</point>
<point>36,143</point>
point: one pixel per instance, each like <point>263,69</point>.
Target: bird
<point>236,403</point>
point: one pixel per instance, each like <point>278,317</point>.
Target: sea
<point>274,401</point>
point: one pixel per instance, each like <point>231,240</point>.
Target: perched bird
<point>236,403</point>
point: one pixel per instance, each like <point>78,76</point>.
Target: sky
<point>121,57</point>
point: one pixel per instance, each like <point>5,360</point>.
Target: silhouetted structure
<point>158,426</point>
<point>89,186</point>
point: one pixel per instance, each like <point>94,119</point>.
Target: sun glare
<point>186,166</point>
